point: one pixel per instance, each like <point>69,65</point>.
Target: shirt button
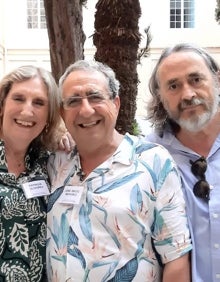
<point>216,246</point>
<point>111,172</point>
<point>215,215</point>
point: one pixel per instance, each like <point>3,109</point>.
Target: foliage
<point>136,128</point>
<point>145,52</point>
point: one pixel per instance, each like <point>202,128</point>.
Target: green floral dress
<point>22,221</point>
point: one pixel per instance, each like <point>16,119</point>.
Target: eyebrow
<point>92,91</point>
<point>87,93</point>
<point>191,75</point>
<point>171,81</point>
<point>19,94</point>
<point>196,74</point>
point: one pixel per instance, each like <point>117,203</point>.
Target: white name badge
<point>36,188</point>
<point>71,195</point>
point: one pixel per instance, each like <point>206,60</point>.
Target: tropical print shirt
<point>22,222</point>
<point>128,221</point>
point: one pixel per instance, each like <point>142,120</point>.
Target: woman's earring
<point>46,128</point>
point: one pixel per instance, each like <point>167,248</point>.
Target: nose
<point>86,110</point>
<point>188,92</point>
<point>27,109</point>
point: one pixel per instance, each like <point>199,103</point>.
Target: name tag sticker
<point>36,188</point>
<point>71,195</point>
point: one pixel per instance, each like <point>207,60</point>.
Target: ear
<point>117,103</point>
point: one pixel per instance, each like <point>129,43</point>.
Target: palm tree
<point>117,39</point>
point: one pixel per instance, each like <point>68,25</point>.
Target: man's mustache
<point>193,102</point>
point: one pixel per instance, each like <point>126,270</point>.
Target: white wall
<point>18,36</point>
<point>206,34</point>
<point>20,45</point>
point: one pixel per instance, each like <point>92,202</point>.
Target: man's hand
<point>66,142</point>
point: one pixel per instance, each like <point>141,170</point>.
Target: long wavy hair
<point>23,73</point>
<point>156,113</point>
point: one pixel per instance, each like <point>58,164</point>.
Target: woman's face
<point>25,112</point>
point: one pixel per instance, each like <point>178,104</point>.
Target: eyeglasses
<point>201,189</point>
<point>75,101</point>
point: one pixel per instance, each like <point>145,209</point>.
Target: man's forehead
<point>86,75</point>
<point>183,58</point>
<point>85,79</point>
<point>182,63</point>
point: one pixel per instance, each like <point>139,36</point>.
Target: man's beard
<point>196,122</point>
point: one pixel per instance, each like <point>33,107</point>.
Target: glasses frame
<point>94,98</point>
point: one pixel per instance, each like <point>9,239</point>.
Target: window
<point>182,14</point>
<point>36,14</point>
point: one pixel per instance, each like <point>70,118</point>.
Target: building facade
<point>24,39</point>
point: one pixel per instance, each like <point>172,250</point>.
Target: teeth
<point>25,123</point>
<point>89,124</point>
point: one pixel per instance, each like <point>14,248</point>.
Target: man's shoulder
<point>61,156</point>
<point>157,137</point>
<point>144,147</point>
